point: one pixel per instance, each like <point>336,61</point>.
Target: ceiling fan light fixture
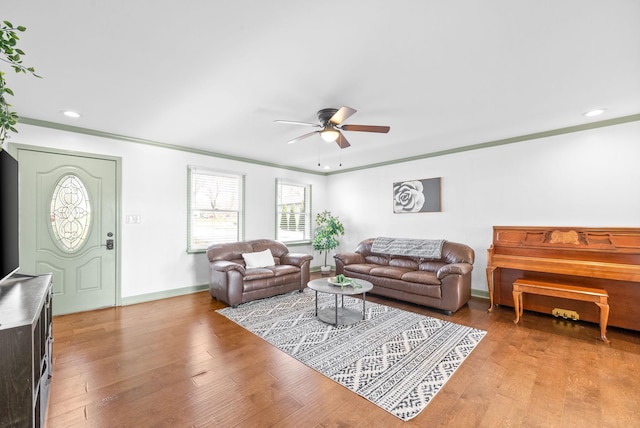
<point>330,126</point>
<point>329,135</point>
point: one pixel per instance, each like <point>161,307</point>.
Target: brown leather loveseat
<point>234,280</point>
<point>443,283</point>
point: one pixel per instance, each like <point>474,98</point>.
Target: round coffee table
<point>339,315</point>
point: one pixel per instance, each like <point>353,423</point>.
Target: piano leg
<point>490,285</point>
<point>517,305</point>
<point>604,319</point>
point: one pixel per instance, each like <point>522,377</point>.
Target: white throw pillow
<point>258,259</point>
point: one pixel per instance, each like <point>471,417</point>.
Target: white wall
<point>589,178</point>
<point>154,257</point>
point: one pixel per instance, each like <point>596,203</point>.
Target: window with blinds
<point>293,212</point>
<point>215,208</point>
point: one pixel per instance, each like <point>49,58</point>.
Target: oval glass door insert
<point>70,213</point>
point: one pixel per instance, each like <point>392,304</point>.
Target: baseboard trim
<point>317,268</point>
<point>142,298</point>
<point>480,293</point>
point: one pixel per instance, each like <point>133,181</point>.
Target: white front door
<point>68,225</point>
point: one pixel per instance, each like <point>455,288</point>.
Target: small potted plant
<point>325,239</point>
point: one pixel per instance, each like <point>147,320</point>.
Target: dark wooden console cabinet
<point>25,350</point>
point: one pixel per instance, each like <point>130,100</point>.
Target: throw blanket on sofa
<point>427,248</point>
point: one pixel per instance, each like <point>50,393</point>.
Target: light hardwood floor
<point>177,363</point>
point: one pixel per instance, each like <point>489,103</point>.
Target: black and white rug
<point>396,359</point>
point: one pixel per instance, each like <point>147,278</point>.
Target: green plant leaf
<point>12,55</point>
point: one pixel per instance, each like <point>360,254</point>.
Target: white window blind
<point>293,212</point>
<point>215,208</point>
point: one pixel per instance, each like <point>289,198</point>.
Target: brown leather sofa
<point>233,283</point>
<point>443,284</point>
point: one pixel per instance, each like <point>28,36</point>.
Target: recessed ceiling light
<point>327,167</point>
<point>593,113</point>
<point>70,113</point>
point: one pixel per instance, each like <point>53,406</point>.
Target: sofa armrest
<point>349,258</point>
<point>454,268</point>
<point>295,259</point>
<point>226,266</point>
<point>344,259</point>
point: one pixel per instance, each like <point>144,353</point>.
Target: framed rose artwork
<point>416,196</point>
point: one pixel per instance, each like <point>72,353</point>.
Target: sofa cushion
<point>404,262</point>
<point>280,270</point>
<point>400,286</point>
<point>431,265</point>
<point>377,260</point>
<point>258,273</point>
<point>389,272</point>
<point>421,277</point>
<point>270,272</point>
<point>360,268</point>
<point>258,259</point>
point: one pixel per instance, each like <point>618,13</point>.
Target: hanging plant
<point>328,229</point>
<point>12,55</point>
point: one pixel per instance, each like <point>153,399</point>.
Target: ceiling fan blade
<point>341,141</point>
<point>366,128</point>
<point>293,122</point>
<point>302,137</point>
<point>341,115</point>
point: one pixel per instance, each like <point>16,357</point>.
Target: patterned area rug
<point>396,359</point>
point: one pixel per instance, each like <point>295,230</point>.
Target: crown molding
<point>512,140</point>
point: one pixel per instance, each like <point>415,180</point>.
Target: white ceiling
<point>214,75</point>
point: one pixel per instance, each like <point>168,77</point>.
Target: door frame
<point>14,148</point>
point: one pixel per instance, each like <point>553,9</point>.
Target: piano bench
<point>596,295</point>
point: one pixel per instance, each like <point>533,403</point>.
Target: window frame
<point>306,239</point>
<point>192,171</point>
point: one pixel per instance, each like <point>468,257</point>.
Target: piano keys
<point>607,258</point>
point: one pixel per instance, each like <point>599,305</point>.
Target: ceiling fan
<point>331,124</point>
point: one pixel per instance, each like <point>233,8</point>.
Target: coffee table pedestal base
<point>346,316</point>
<point>338,314</point>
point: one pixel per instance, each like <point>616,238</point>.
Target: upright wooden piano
<point>607,258</point>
